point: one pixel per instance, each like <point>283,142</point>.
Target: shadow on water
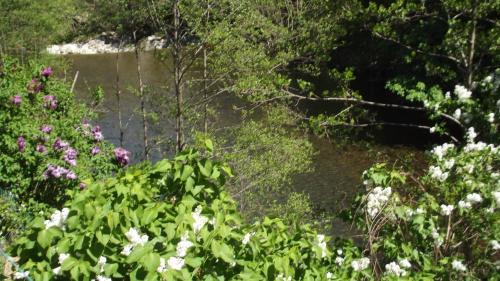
<point>337,169</point>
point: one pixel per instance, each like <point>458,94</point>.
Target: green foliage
<point>34,24</point>
<point>186,215</point>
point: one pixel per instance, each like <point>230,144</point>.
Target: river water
<point>337,168</point>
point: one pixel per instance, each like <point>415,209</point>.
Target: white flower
<point>464,205</point>
<point>405,263</point>
<point>474,198</point>
<point>135,238</point>
<point>496,195</point>
<point>457,113</point>
<point>339,252</point>
<point>491,117</point>
<point>322,244</point>
<point>438,240</point>
<point>495,245</point>
<point>441,150</point>
<point>339,260</point>
<point>247,237</point>
<point>103,278</point>
<point>377,199</point>
<point>329,275</point>
<point>446,209</point>
<point>437,173</point>
<point>471,134</point>
<point>102,261</point>
<point>433,129</point>
<point>21,275</point>
<point>360,264</point>
<point>488,79</point>
<point>162,267</point>
<point>57,270</point>
<point>448,164</point>
<point>62,258</point>
<point>447,95</point>
<point>175,263</point>
<point>58,218</point>
<point>394,269</point>
<point>183,246</point>
<point>282,277</point>
<point>458,265</point>
<point>462,92</point>
<point>199,220</point>
<point>419,211</point>
<point>127,249</point>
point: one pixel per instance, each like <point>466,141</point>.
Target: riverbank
<point>106,45</point>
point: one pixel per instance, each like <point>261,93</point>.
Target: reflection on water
<point>337,170</point>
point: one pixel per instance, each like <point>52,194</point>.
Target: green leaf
<point>209,145</point>
<point>186,172</point>
<point>151,261</point>
<point>44,238</point>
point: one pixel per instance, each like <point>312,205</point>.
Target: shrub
<point>46,144</point>
<point>171,221</point>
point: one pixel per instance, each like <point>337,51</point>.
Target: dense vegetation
<point>70,208</point>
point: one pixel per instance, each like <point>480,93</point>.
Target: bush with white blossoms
<point>442,224</point>
<point>174,221</point>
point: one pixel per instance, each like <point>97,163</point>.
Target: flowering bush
<point>46,146</point>
<point>174,221</point>
<point>444,225</point>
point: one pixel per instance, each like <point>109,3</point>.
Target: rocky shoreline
<point>106,45</point>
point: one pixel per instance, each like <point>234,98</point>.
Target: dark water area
<point>337,170</point>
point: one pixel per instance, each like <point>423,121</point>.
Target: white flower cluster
<point>495,245</point>
<point>61,259</point>
<point>21,275</point>
<point>462,92</point>
<point>470,200</point>
<point>396,269</point>
<point>322,244</point>
<point>436,173</point>
<point>135,239</point>
<point>410,212</point>
<point>491,117</point>
<point>247,237</point>
<point>199,220</point>
<point>174,263</point>
<point>471,134</point>
<point>183,245</point>
<point>339,260</point>
<point>496,195</point>
<point>329,275</point>
<point>438,240</point>
<point>446,209</point>
<point>458,265</point>
<point>360,264</point>
<point>441,150</point>
<point>58,218</point>
<point>101,263</point>
<point>377,199</point>
<point>177,262</point>
<point>457,113</point>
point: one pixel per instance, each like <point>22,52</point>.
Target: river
<point>337,168</point>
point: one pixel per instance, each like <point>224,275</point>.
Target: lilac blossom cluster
<point>122,156</point>
<point>58,172</point>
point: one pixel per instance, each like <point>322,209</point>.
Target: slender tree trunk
<point>118,95</point>
<point>469,76</point>
<point>205,76</point>
<point>142,100</point>
<point>177,78</point>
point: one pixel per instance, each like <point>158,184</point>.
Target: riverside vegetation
<point>74,208</point>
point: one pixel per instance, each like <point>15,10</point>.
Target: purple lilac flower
<point>41,148</point>
<point>58,172</point>
<point>21,143</point>
<point>48,172</point>
<point>46,129</point>
<point>82,186</point>
<point>16,100</point>
<point>70,156</point>
<point>50,102</point>
<point>70,175</point>
<point>97,134</point>
<point>95,150</point>
<point>47,71</point>
<point>122,156</point>
<point>35,86</point>
<point>60,145</point>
